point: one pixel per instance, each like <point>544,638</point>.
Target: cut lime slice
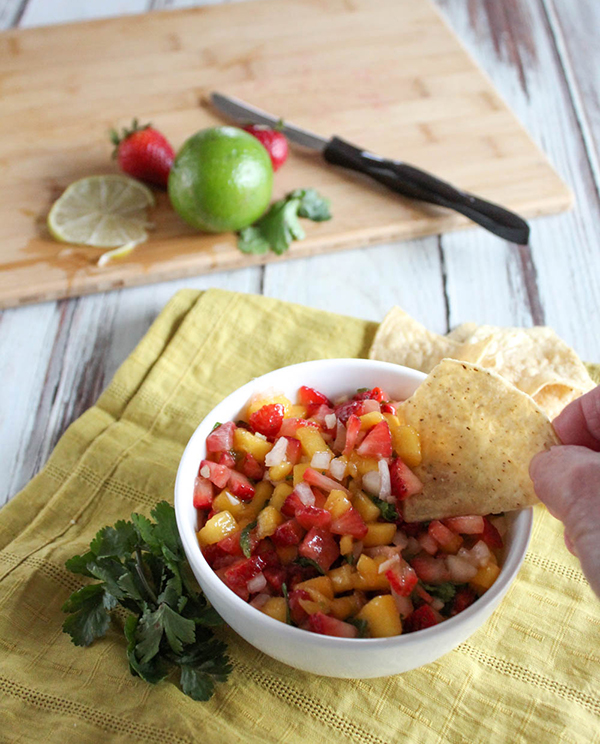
<point>123,250</point>
<point>102,211</point>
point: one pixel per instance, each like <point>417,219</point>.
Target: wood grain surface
<point>387,74</point>
<point>56,356</point>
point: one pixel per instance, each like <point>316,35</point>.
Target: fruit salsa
<point>300,514</point>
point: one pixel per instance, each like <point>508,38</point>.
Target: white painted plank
<point>10,11</point>
<point>48,12</point>
<point>513,45</point>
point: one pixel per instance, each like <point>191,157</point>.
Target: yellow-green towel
<point>531,674</point>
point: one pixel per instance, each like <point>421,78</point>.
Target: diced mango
<point>379,533</point>
<point>368,420</point>
<point>262,493</point>
<point>484,578</point>
<point>341,578</point>
<point>311,607</point>
<point>346,544</point>
<point>337,503</point>
<point>280,494</point>
<point>257,403</point>
<point>321,584</point>
<point>226,501</point>
<point>245,441</point>
<point>405,441</point>
<point>287,554</point>
<point>299,472</point>
<point>268,521</point>
<point>367,578</point>
<point>365,507</point>
<point>276,607</point>
<point>281,471</point>
<point>297,411</point>
<point>218,526</point>
<point>363,464</point>
<point>311,441</point>
<point>343,607</point>
<point>382,617</point>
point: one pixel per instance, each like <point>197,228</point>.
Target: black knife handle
<point>418,184</point>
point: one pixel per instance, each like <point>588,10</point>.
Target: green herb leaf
<point>216,426</point>
<point>114,541</point>
<point>309,563</point>
<point>78,563</point>
<point>277,228</point>
<point>350,559</point>
<point>200,672</point>
<point>245,539</point>
<point>152,671</point>
<point>388,511</point>
<point>284,590</point>
<point>360,624</point>
<point>445,591</point>
<point>178,630</point>
<point>89,619</point>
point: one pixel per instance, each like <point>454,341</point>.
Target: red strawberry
<point>490,535</point>
<point>310,397</point>
<point>463,598</point>
<point>404,482</point>
<point>377,443</point>
<point>231,544</point>
<point>465,525</point>
<point>403,579</point>
<point>273,141</point>
<point>350,523</point>
<point>297,612</point>
<point>375,394</point>
<point>221,438</point>
<point>422,618</point>
<point>217,474</point>
<point>312,516</point>
<point>291,425</point>
<point>388,408</point>
<point>227,459</point>
<point>327,625</point>
<point>449,540</point>
<point>319,546</point>
<point>240,573</point>
<point>314,478</point>
<point>293,452</point>
<point>292,503</point>
<point>144,153</point>
<point>430,570</point>
<point>240,486</point>
<point>352,429</point>
<point>275,576</point>
<point>268,419</point>
<point>345,410</point>
<point>203,493</point>
<point>288,533</point>
<point>251,468</point>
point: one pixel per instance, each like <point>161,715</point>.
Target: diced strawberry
<point>231,544</point>
<point>308,396</point>
<point>404,482</point>
<point>422,618</point>
<point>463,598</point>
<point>251,468</point>
<point>290,426</point>
<point>275,576</point>
<point>411,529</point>
<point>297,574</point>
<point>428,543</point>
<point>388,408</point>
<point>217,474</point>
<point>490,535</point>
<point>212,553</point>
<point>314,478</point>
<point>345,410</point>
<point>240,573</point>
<point>465,525</point>
<point>268,419</point>
<point>448,539</point>
<point>293,452</point>
<point>352,429</point>
<point>327,625</point>
<point>320,499</point>
<point>430,570</point>
<point>292,503</point>
<point>318,414</point>
<point>221,439</point>
<point>203,493</point>
<point>377,443</point>
<point>240,486</point>
<point>375,393</point>
<point>268,554</point>
<point>402,578</point>
<point>227,459</point>
<point>350,523</point>
<point>425,596</point>
<point>288,533</point>
<point>319,546</point>
<point>312,516</point>
<point>297,612</point>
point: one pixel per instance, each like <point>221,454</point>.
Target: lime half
<point>102,211</point>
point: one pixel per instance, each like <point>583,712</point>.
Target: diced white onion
<point>233,500</point>
<point>390,563</point>
<point>413,546</point>
<point>205,471</point>
<point>480,553</point>
<point>370,405</point>
<point>337,468</point>
<point>403,604</point>
<point>257,584</point>
<point>460,569</point>
<point>500,524</point>
<point>400,540</point>
<point>260,600</point>
<point>330,420</point>
<point>437,604</point>
<point>305,494</point>
<point>260,436</point>
<point>321,460</point>
<point>385,486</point>
<point>372,482</point>
<point>277,455</point>
<point>387,550</point>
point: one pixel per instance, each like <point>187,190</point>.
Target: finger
<point>579,422</point>
<point>569,544</point>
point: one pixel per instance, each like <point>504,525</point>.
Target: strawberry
<point>314,478</point>
<point>203,493</point>
<point>430,570</point>
<point>465,525</point>
<point>290,426</point>
<point>327,625</point>
<point>318,414</point>
<point>463,598</point>
<point>288,533</point>
<point>217,474</point>
<point>422,618</point>
<point>312,516</point>
<point>251,468</point>
<point>240,486</point>
<point>350,523</point>
<point>273,141</point>
<point>403,579</point>
<point>268,419</point>
<point>231,544</point>
<point>388,408</point>
<point>449,541</point>
<point>297,612</point>
<point>221,438</point>
<point>275,576</point>
<point>144,153</point>
<point>375,394</point>
<point>345,410</point>
<point>308,396</point>
<point>293,452</point>
<point>291,505</point>
<point>227,459</point>
<point>377,443</point>
<point>352,429</point>
<point>319,546</point>
<point>490,535</point>
<point>404,482</point>
<point>240,573</point>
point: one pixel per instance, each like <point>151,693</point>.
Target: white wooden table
<point>542,55</point>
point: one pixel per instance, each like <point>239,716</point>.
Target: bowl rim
<point>509,569</point>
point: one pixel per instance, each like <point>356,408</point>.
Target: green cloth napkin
<point>529,674</point>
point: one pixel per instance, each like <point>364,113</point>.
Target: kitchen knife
<point>396,175</point>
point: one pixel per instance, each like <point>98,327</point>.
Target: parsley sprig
<point>142,567</point>
<point>276,229</point>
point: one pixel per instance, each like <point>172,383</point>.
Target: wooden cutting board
<point>388,75</point>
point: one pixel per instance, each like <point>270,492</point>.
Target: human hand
<point>567,479</point>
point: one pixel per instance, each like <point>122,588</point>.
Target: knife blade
<point>398,176</point>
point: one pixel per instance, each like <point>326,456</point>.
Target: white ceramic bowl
<point>311,652</point>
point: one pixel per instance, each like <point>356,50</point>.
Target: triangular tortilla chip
<point>478,434</point>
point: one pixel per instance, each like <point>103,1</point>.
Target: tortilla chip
<point>462,332</point>
<point>478,434</point>
<point>402,340</point>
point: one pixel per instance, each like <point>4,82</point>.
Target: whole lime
<point>221,180</point>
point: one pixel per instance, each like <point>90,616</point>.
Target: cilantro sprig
<point>141,566</point>
<point>276,229</point>
<point>445,591</point>
<point>388,511</point>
